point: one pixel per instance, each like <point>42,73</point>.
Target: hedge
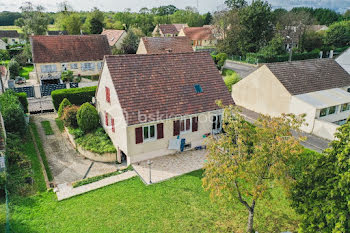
<point>22,97</point>
<point>76,96</point>
<point>281,58</point>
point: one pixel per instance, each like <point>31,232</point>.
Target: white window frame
<point>186,130</point>
<point>87,66</point>
<point>74,66</point>
<point>149,139</point>
<point>99,65</point>
<point>216,130</point>
<point>48,68</point>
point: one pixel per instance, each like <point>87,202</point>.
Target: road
<point>242,69</point>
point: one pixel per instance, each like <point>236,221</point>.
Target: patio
<point>169,166</point>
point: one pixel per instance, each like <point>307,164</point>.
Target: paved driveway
<point>66,164</point>
<point>169,166</point>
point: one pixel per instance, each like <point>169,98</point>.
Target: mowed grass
<point>176,205</point>
<point>24,71</point>
<point>47,127</point>
<point>51,27</point>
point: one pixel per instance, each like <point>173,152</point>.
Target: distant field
<point>51,28</point>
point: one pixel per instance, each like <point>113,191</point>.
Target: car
<point>20,80</point>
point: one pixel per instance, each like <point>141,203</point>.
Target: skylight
<point>198,88</point>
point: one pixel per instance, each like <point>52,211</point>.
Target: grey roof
<point>306,76</point>
<point>9,33</point>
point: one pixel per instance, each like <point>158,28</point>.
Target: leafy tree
<point>347,15</point>
<point>311,40</point>
<point>14,68</point>
<point>87,117</point>
<point>4,55</point>
<point>326,16</point>
<point>338,34</point>
<point>235,4</point>
<point>274,47</point>
<point>33,21</point>
<point>321,195</point>
<point>67,76</point>
<point>130,43</point>
<point>208,18</point>
<point>256,24</point>
<point>8,18</point>
<point>244,163</point>
<point>190,16</point>
<point>94,22</point>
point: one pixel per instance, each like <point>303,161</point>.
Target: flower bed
<point>95,145</point>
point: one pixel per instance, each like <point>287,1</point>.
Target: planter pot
<point>26,117</point>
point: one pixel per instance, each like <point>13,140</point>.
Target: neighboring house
<point>167,30</point>
<point>12,37</point>
<point>292,36</point>
<point>82,54</point>
<point>146,102</point>
<point>115,37</point>
<point>344,60</point>
<point>56,33</point>
<point>318,88</point>
<point>200,36</point>
<point>156,45</point>
<point>2,45</point>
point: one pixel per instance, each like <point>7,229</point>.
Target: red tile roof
<point>198,33</point>
<point>113,36</point>
<point>162,85</point>
<point>52,49</point>
<point>168,29</point>
<point>156,45</point>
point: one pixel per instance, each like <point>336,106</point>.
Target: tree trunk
<point>250,221</point>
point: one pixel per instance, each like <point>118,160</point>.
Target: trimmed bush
<point>12,112</point>
<point>22,97</point>
<point>76,96</point>
<point>87,117</point>
<point>70,116</point>
<point>220,60</point>
<point>14,69</point>
<point>63,105</point>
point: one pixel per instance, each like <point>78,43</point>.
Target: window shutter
<point>108,95</point>
<point>160,131</point>
<point>194,124</point>
<point>138,133</point>
<point>112,123</point>
<point>176,128</point>
<point>106,119</point>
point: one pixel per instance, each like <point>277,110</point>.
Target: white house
<point>344,60</point>
<point>82,54</point>
<point>2,45</point>
<point>157,104</point>
<point>318,88</point>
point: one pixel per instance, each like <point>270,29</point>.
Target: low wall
<point>324,129</point>
<point>106,157</point>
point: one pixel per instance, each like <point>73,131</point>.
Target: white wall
<point>324,129</point>
<point>344,60</point>
<point>298,107</point>
<point>262,92</point>
<point>119,138</point>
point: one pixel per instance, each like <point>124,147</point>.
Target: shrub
<point>14,68</point>
<point>76,96</point>
<point>96,141</point>
<point>77,133</point>
<point>87,117</point>
<point>67,76</point>
<point>4,55</point>
<point>70,116</point>
<point>60,124</point>
<point>231,80</point>
<point>220,60</point>
<point>65,102</point>
<point>2,183</point>
<point>47,127</point>
<point>12,112</point>
<point>22,97</point>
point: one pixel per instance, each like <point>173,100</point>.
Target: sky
<point>135,5</point>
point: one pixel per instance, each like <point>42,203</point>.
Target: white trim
<point>185,123</point>
<point>149,139</point>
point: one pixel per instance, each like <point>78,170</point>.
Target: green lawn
<point>24,72</point>
<point>12,27</point>
<point>177,205</point>
<point>47,127</point>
